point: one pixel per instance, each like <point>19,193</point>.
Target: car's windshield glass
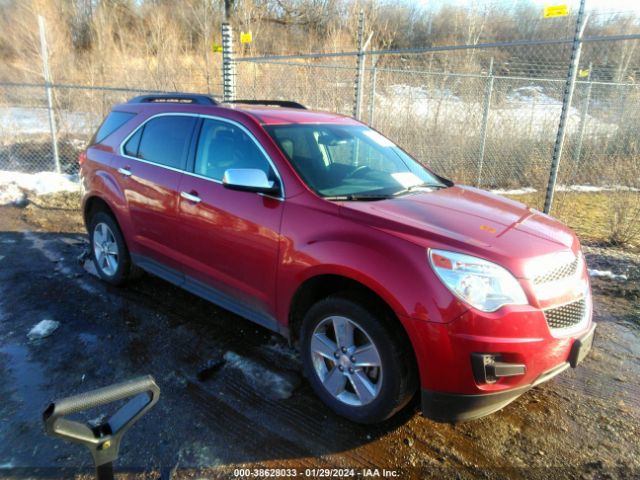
<point>350,161</point>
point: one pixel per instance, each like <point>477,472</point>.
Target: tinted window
<point>113,122</point>
<point>222,146</point>
<point>165,140</point>
<point>131,147</point>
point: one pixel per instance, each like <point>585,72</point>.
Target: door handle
<point>124,171</point>
<point>191,197</point>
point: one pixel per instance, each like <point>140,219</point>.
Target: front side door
<point>151,170</point>
<point>230,239</point>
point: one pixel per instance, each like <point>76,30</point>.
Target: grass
<point>590,215</point>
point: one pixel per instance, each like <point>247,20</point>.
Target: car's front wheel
<point>355,360</point>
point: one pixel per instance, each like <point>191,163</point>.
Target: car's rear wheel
<point>108,250</point>
<point>355,360</point>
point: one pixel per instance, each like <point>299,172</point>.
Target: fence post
<point>372,93</point>
<point>228,65</point>
<point>583,116</point>
<point>357,103</point>
<point>48,87</point>
<point>570,84</point>
<point>485,120</point>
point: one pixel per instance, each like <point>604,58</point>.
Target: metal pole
<point>228,65</point>
<point>581,22</point>
<point>372,94</point>
<point>583,116</point>
<point>485,120</point>
<point>357,103</point>
<point>47,81</point>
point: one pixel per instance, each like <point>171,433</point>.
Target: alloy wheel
<point>346,361</point>
<point>105,249</point>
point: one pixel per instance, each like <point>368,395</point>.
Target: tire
<point>115,267</point>
<point>390,386</point>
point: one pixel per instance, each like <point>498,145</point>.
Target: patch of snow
<point>7,465</point>
<point>607,274</point>
<point>12,195</point>
<point>568,188</point>
<point>14,186</point>
<point>272,384</point>
<point>514,191</point>
<point>533,95</point>
<point>1,257</point>
<point>40,244</point>
<point>97,421</point>
<point>594,188</point>
<point>35,121</point>
<point>90,267</point>
<point>528,112</point>
<point>43,329</point>
<point>281,351</point>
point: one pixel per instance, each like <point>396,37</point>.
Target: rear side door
<point>150,170</point>
<point>230,239</point>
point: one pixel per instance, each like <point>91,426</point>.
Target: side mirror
<point>248,180</point>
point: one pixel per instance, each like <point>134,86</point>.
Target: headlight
<point>482,284</point>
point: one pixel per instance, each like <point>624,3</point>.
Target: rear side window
<point>163,140</point>
<point>113,122</point>
<point>131,148</point>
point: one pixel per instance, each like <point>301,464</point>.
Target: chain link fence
<point>485,116</point>
<point>489,117</point>
<point>26,141</point>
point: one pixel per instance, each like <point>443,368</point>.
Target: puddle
<point>89,340</point>
<point>27,380</point>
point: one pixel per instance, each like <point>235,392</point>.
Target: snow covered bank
<point>14,186</point>
<point>606,274</point>
<point>569,188</point>
<point>35,121</point>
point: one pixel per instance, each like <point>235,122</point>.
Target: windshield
<point>350,161</point>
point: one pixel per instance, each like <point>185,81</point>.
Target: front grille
<point>567,315</point>
<point>558,273</point>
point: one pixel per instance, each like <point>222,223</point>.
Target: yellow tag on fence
<point>246,37</point>
<point>551,11</point>
<point>216,48</point>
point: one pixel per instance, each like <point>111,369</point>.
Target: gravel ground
<point>214,369</point>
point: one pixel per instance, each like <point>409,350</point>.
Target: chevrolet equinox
<point>387,276</point>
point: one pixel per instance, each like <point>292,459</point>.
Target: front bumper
<point>453,407</point>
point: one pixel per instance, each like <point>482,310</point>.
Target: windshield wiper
<point>356,197</point>
<point>413,188</point>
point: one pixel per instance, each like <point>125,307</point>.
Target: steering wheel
<point>357,171</point>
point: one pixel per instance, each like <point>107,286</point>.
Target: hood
<point>468,220</point>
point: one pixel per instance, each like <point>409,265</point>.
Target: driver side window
<point>222,146</point>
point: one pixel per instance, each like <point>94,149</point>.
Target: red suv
<point>388,276</point>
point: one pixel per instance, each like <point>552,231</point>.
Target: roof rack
<point>277,103</point>
<point>194,98</point>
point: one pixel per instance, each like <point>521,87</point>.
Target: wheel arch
<point>93,205</point>
<point>321,286</point>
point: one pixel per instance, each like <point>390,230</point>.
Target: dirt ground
<point>232,396</point>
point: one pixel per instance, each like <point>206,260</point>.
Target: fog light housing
<point>489,367</point>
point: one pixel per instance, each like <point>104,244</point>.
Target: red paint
<point>261,250</point>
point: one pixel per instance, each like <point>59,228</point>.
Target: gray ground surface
<point>254,409</point>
